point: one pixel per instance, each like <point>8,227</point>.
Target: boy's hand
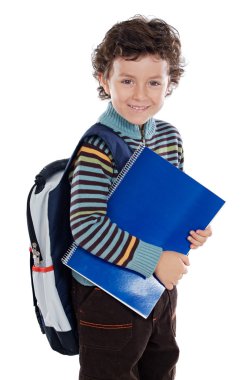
<point>171,267</point>
<point>199,237</point>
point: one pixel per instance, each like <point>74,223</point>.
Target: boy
<point>137,65</point>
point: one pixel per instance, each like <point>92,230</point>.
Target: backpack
<point>48,220</point>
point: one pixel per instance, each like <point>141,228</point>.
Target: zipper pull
<point>35,254</point>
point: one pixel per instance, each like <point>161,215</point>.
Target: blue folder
<point>157,203</point>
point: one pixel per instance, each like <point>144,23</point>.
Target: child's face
<point>137,88</point>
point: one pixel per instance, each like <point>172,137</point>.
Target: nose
<point>139,92</point>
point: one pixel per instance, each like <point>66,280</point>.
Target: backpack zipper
<point>35,254</point>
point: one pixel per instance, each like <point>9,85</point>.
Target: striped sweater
<point>93,173</point>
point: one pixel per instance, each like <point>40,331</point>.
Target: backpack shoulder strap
<point>120,150</point>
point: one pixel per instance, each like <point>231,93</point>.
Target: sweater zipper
<point>142,134</point>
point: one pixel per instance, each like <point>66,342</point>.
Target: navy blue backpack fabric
<point>60,233</point>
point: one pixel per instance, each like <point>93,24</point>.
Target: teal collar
<point>112,119</point>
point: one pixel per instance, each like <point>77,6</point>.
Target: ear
<point>169,88</point>
<point>168,91</point>
<point>104,83</point>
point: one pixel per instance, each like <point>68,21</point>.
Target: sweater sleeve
<point>181,159</point>
<point>91,179</point>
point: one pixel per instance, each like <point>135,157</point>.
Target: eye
<point>127,81</point>
<point>154,83</point>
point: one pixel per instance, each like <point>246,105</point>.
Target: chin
<point>137,120</point>
<point>134,118</point>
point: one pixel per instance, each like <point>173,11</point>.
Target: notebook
<point>159,204</point>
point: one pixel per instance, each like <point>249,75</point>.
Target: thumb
<point>185,259</point>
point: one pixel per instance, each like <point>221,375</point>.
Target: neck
<point>113,120</point>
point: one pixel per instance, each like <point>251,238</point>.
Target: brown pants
<point>118,344</point>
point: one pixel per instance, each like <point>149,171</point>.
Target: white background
<point>48,99</point>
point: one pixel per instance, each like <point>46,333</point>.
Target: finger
<point>193,246</point>
<point>169,286</point>
<point>199,236</point>
<point>196,239</point>
<point>195,243</point>
<point>205,233</point>
<point>209,229</point>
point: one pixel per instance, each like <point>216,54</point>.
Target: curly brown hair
<point>136,37</point>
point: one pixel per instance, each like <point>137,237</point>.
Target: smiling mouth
<point>138,108</point>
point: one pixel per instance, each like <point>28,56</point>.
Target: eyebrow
<point>126,75</point>
<point>132,76</point>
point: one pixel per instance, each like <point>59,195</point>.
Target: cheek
<point>117,92</point>
<point>159,97</point>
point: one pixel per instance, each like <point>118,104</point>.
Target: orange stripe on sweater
<point>127,253</point>
<point>95,152</point>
